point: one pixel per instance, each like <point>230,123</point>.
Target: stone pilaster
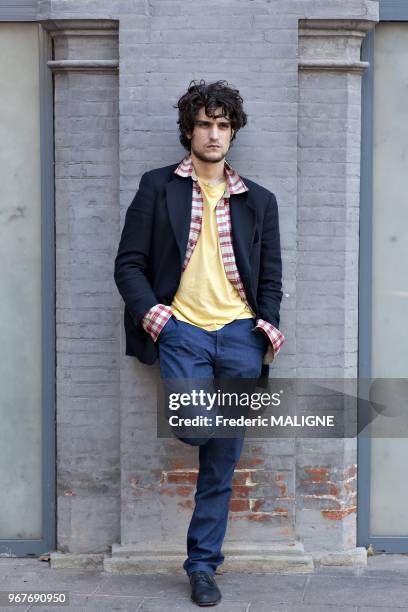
<point>329,125</point>
<point>85,65</point>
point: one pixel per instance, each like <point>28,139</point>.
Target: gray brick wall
<point>263,61</point>
<point>302,143</point>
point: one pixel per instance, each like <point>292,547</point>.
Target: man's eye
<point>223,126</point>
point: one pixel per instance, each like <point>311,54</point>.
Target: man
<point>199,269</point>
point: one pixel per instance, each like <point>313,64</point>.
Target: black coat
<point>152,247</point>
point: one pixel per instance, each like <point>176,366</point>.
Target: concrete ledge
<point>81,561</point>
<point>266,559</point>
<point>252,559</point>
<point>332,65</point>
<point>83,65</point>
<point>355,557</point>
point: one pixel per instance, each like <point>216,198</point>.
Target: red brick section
<point>258,494</point>
<point>181,483</point>
<point>262,494</point>
<point>182,477</point>
<point>330,489</point>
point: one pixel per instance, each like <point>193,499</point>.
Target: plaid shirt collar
<point>235,184</point>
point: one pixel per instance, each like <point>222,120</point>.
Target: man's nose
<point>214,132</point>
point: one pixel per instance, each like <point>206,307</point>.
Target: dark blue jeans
<point>189,352</point>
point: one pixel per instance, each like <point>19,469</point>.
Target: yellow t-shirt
<point>205,296</point>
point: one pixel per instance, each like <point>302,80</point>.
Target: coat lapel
<point>178,199</point>
<point>243,222</point>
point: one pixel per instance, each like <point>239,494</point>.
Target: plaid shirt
<point>156,318</point>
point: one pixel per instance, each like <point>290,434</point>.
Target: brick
<point>338,515</point>
<point>239,505</point>
<point>241,491</point>
<point>186,477</point>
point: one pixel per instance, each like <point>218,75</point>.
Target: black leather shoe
<point>204,590</point>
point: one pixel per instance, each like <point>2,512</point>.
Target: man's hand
<point>155,319</point>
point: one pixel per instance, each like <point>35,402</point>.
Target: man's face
<point>211,136</point>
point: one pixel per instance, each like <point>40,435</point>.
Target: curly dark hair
<point>210,96</point>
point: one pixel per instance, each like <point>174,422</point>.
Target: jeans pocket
<point>261,337</point>
<point>167,327</point>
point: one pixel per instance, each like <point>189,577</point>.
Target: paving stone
<point>386,565</point>
<point>20,577</point>
<point>332,570</point>
<point>56,609</point>
<point>10,567</point>
<point>381,587</point>
<point>278,588</point>
<point>265,606</point>
<point>358,591</point>
<point>105,602</point>
<point>153,604</point>
<point>145,585</point>
<point>382,609</point>
<point>7,561</point>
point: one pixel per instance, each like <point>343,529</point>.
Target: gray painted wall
<point>116,481</point>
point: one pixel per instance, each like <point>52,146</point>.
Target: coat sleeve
<point>269,294</point>
<point>132,259</point>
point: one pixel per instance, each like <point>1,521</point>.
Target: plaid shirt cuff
<point>275,337</point>
<point>155,319</point>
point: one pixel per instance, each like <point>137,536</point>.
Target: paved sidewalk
<point>382,586</point>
